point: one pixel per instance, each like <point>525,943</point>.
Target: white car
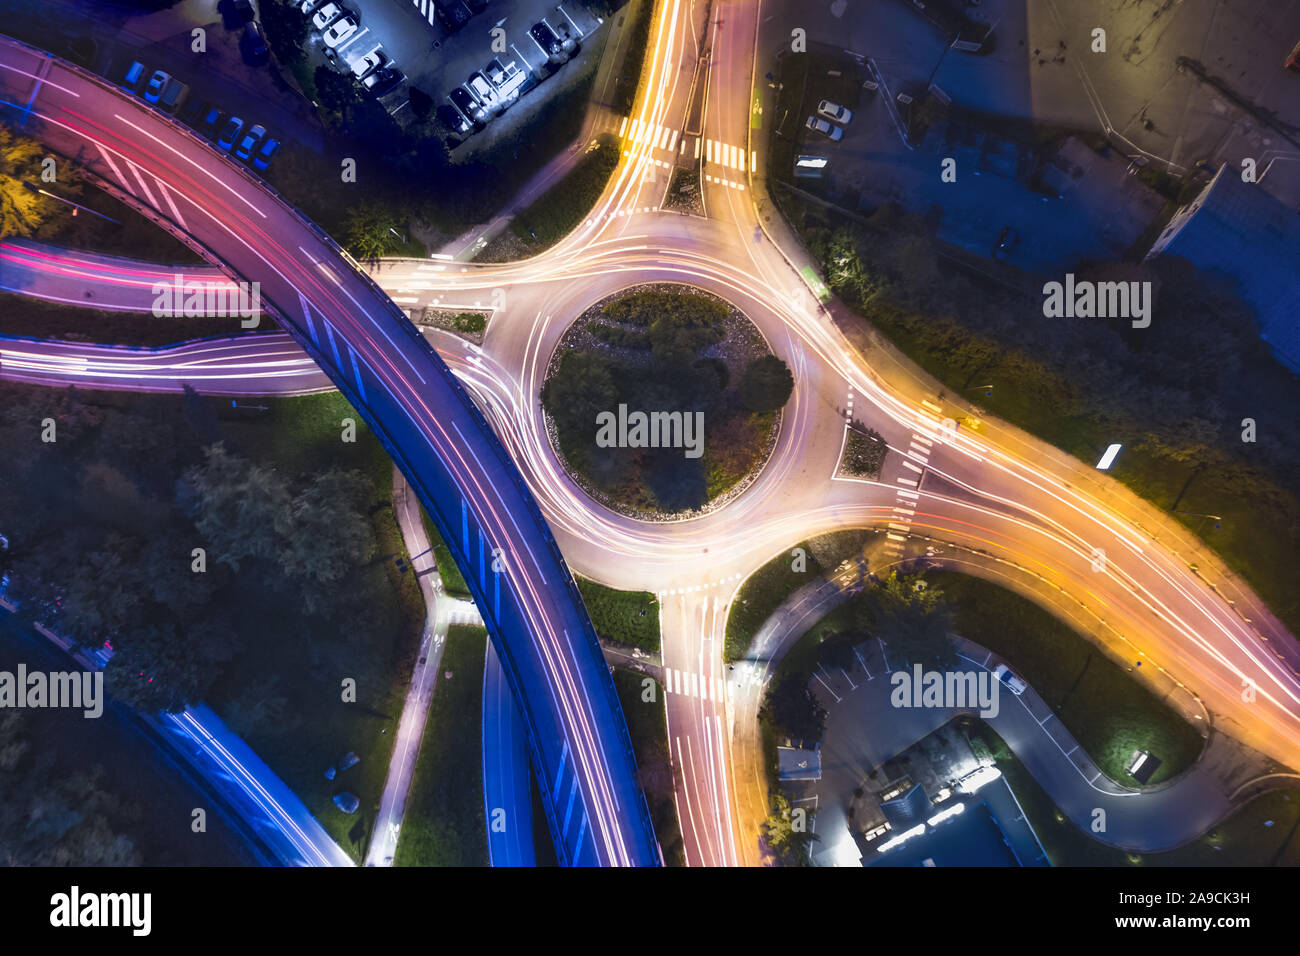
<point>829,130</point>
<point>834,112</point>
<point>326,15</point>
<point>339,31</point>
<point>371,61</point>
<point>1008,677</point>
<point>307,6</point>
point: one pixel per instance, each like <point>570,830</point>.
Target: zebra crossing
<point>690,684</point>
<point>907,496</point>
<point>427,9</point>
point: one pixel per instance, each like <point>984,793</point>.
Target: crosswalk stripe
<point>672,140</point>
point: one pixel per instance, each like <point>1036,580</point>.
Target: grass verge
<point>1245,838</point>
<point>1107,711</point>
<point>444,824</point>
<point>647,723</point>
<point>629,618</point>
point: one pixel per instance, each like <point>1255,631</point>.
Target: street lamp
<point>976,388</point>
<point>1218,519</point>
<point>68,202</point>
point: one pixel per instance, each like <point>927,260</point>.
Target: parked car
<point>834,112</point>
<point>241,10</point>
<point>1008,677</point>
<point>307,6</point>
<point>469,107</point>
<point>382,82</point>
<point>368,62</point>
<point>829,130</point>
<point>209,123</point>
<point>339,30</point>
<point>230,132</point>
<point>347,802</point>
<point>249,143</point>
<point>452,14</point>
<point>455,120</point>
<point>484,92</point>
<point>253,44</point>
<point>193,110</point>
<point>567,39</point>
<point>134,74</point>
<point>549,43</point>
<point>326,15</point>
<point>267,153</point>
<point>153,90</point>
<point>173,94</point>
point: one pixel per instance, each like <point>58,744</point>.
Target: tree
<point>793,709</point>
<point>581,388</point>
<point>286,29</point>
<point>22,209</point>
<point>327,535</point>
<point>913,619</point>
<point>766,384</point>
<point>240,508</point>
<point>788,832</point>
<point>368,231</point>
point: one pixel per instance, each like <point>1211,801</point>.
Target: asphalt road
<point>578,739</point>
<point>991,489</point>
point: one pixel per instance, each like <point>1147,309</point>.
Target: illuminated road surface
<point>578,739</point>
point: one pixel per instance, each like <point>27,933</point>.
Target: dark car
<point>382,82</point>
<point>253,44</point>
<point>193,110</point>
<point>241,11</point>
<point>452,14</point>
<point>208,124</point>
<point>454,120</point>
<point>469,107</point>
<point>546,39</point>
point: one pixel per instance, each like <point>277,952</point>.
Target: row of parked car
<point>373,68</point>
<point>828,114</point>
<point>251,145</point>
<point>494,89</point>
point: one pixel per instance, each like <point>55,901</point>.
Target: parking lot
<point>1242,103</point>
<point>436,60</point>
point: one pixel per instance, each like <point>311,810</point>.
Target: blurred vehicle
<point>241,10</point>
<point>230,132</point>
<point>307,6</point>
<point>828,130</point>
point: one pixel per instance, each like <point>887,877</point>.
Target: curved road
<point>577,736</point>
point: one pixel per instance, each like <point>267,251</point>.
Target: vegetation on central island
<point>665,349</point>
